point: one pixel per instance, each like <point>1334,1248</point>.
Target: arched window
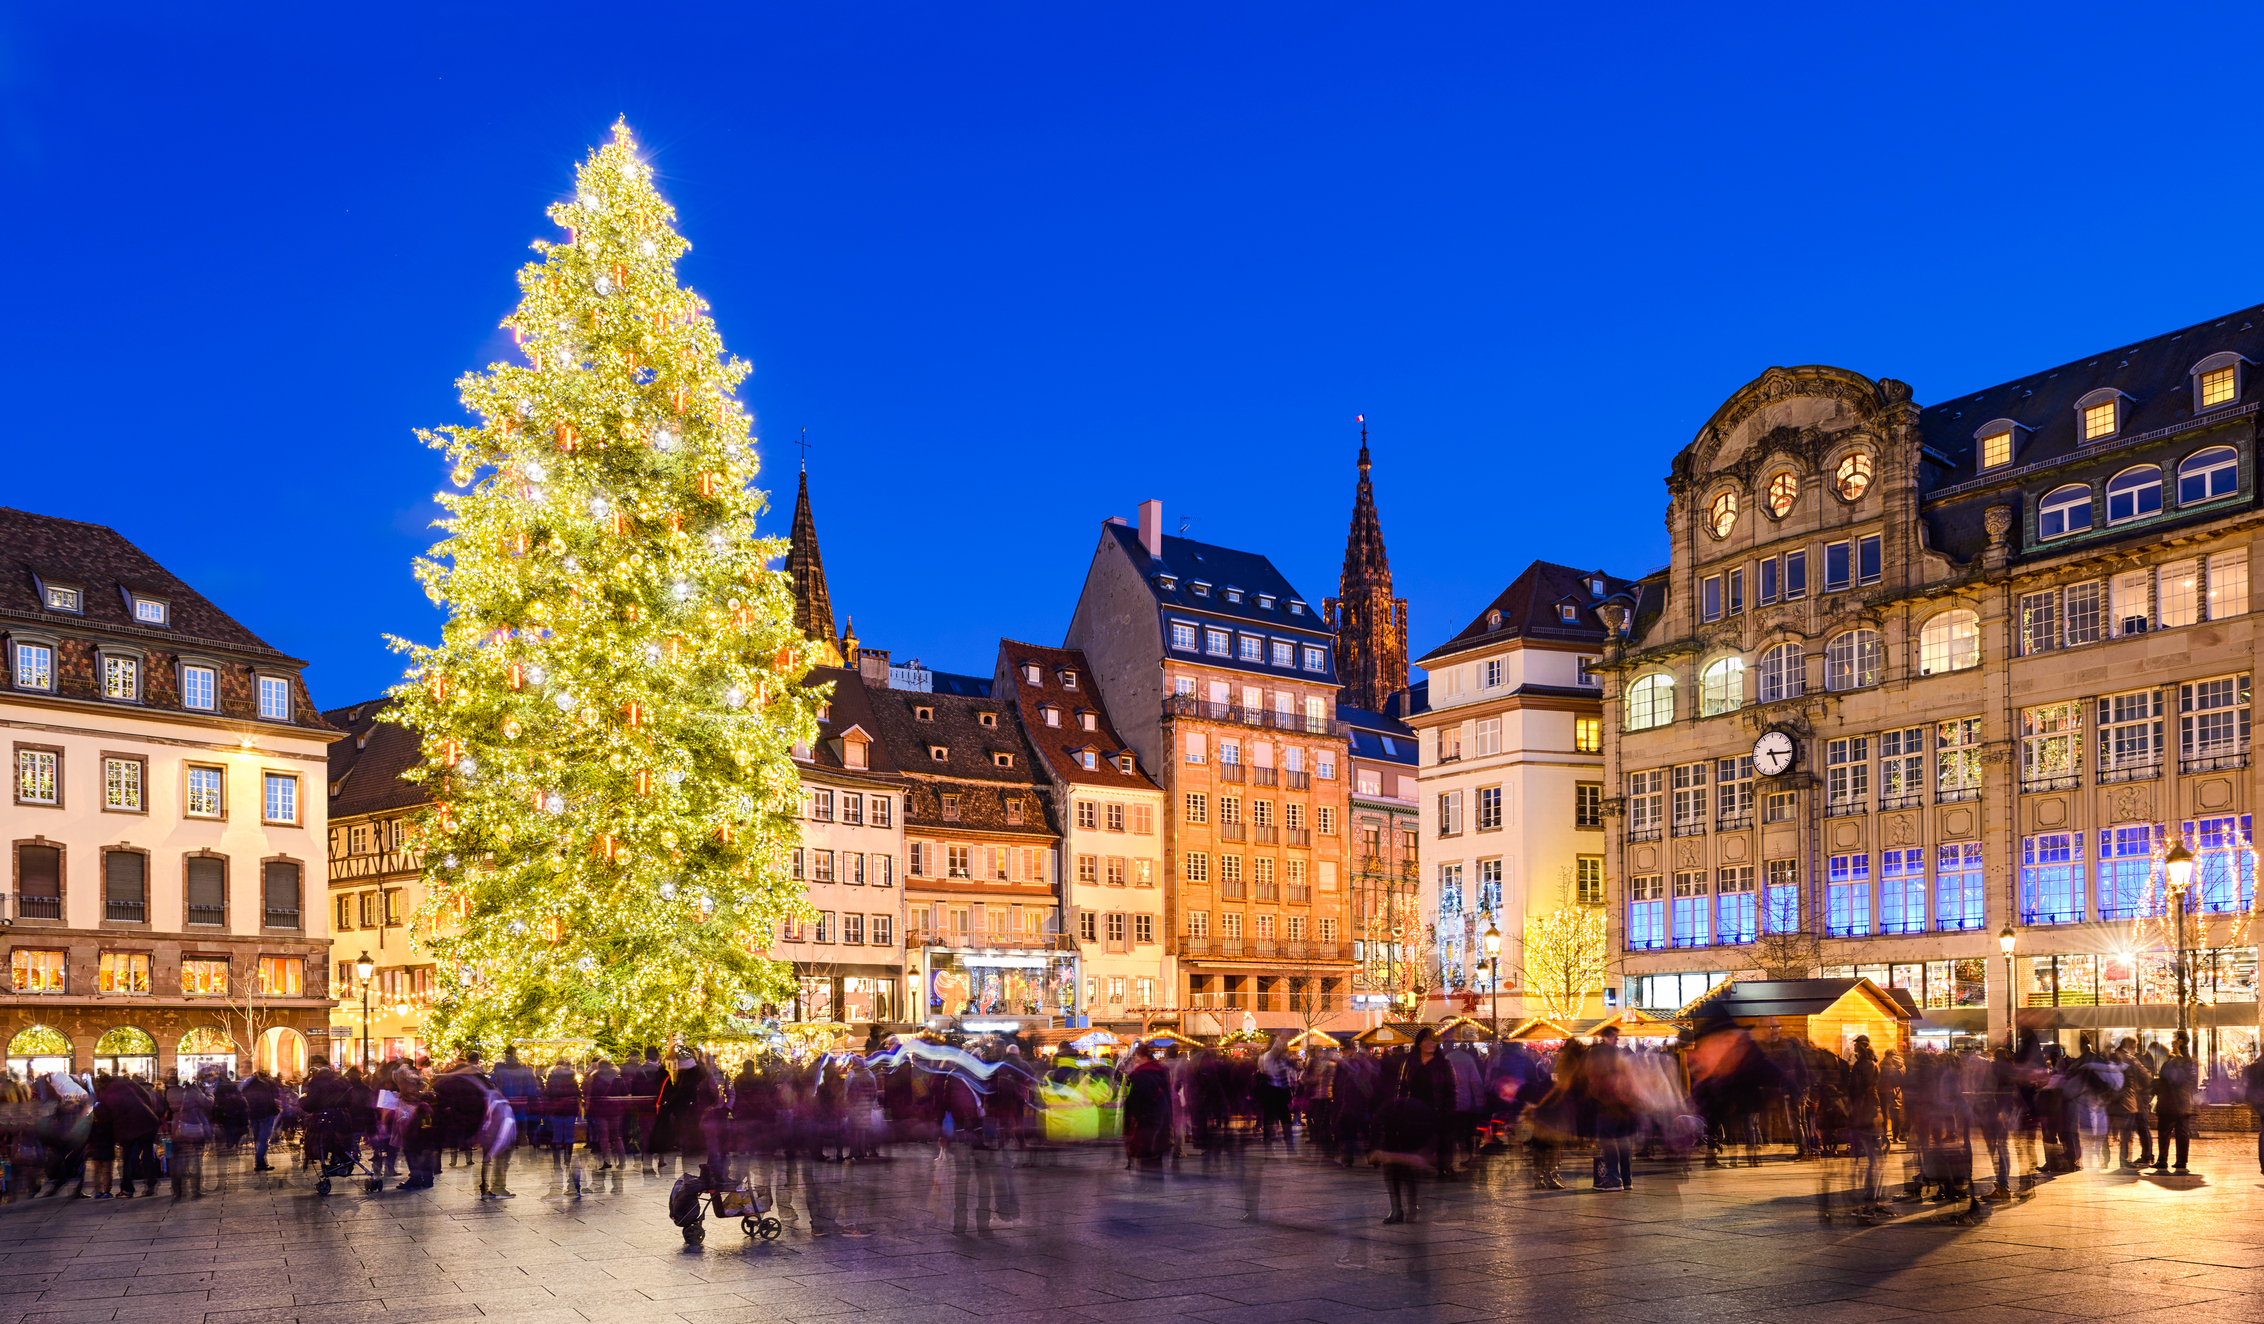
<point>2064,510</point>
<point>2134,493</point>
<point>2214,472</point>
<point>1782,674</point>
<point>1650,702</point>
<point>1722,516</point>
<point>1722,688</point>
<point>1854,476</point>
<point>1853,660</point>
<point>1950,641</point>
<point>1784,489</point>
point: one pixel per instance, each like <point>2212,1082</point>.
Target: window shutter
<point>40,871</point>
<point>281,889</point>
<point>208,883</point>
<point>123,877</point>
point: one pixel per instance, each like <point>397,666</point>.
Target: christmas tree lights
<point>608,718</point>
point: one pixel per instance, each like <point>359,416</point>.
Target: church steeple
<point>1370,624</point>
<point>813,605</point>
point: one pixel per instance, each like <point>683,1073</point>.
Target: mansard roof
<point>365,770</point>
<point>1528,611</point>
<point>1188,561</point>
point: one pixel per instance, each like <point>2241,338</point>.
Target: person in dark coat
<point>459,1103</point>
<point>2174,1085</point>
<point>1147,1110</point>
<point>637,1117</point>
<point>676,1113</point>
<point>1428,1078</point>
<point>135,1117</point>
<point>262,1105</point>
<point>604,1099</point>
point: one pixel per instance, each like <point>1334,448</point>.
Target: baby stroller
<point>692,1197</point>
<point>334,1131</point>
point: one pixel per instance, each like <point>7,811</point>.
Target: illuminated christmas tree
<point>607,722</point>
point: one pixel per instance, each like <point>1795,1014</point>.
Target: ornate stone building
<point>165,820</point>
<point>1920,676</point>
<point>1370,624</point>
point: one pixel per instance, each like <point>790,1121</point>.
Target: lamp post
<point>1493,954</point>
<point>2177,867</point>
<point>363,968</point>
<point>2005,941</point>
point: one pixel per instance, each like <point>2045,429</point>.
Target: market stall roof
<point>1391,1033</point>
<point>1462,1029</point>
<point>1635,1023</point>
<point>1539,1027</point>
<point>1796,997</point>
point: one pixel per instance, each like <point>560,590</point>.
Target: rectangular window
<point>1646,912</point>
<point>1197,747</point>
<point>1230,925</point>
<point>1088,816</point>
<point>823,930</point>
<point>1902,891</point>
<point>279,886</point>
<point>2051,878</point>
<point>2039,621</point>
<point>275,698</point>
<point>1737,590</point>
<point>125,886</point>
<point>821,866</point>
<point>2130,736</point>
<point>1957,886</point>
<point>2176,594</point>
<point>204,977</point>
<point>1795,575</point>
<point>1902,767</point>
<point>2099,421</point>
<point>1835,567</point>
<point>1182,635</point>
<point>1868,563</point>
<point>1689,798</point>
<point>1693,908</point>
<point>1734,919</point>
<point>1489,808</point>
<point>1143,928</point>
<point>1769,582</point>
<point>2126,871</point>
<point>2228,585</point>
<point>1489,735</point>
<point>35,667</point>
<point>60,598</point>
<point>282,976</point>
<point>1710,595</point>
<point>1646,804</point>
<point>38,971</point>
<point>1588,805</point>
<point>883,872</point>
<point>1195,866</point>
<point>1733,792</point>
<point>2213,724</point>
<point>2131,601</point>
<point>1218,643</point>
<point>821,806</point>
<point>1588,880</point>
<point>122,784</point>
<point>36,777</point>
<point>1780,904</point>
<point>1114,876</point>
<point>1957,759</point>
<point>2051,747</point>
<point>853,928</point>
<point>1996,449</point>
<point>1198,807</point>
<point>2224,867</point>
<point>1847,775</point>
<point>280,801</point>
<point>123,972</point>
<point>1847,896</point>
<point>121,677</point>
<point>1114,817</point>
<point>1316,659</point>
<point>1588,735</point>
<point>1779,807</point>
<point>2082,613</point>
<point>207,882</point>
<point>1450,813</point>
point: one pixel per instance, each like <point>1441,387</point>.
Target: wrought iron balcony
<point>1230,832</point>
<point>1846,808</point>
<point>1190,705</point>
<point>2134,771</point>
<point>2220,761</point>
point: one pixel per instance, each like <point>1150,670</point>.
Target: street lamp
<point>363,968</point>
<point>1493,954</point>
<point>2178,867</point>
<point>2005,941</point>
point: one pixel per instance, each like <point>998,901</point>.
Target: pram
<point>692,1197</point>
<point>341,1150</point>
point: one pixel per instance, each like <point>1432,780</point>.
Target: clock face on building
<point>1773,753</point>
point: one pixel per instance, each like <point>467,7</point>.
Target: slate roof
<point>1789,997</point>
<point>1368,731</point>
<point>955,723</point>
<point>1528,610</point>
<point>366,769</point>
<point>102,564</point>
<point>852,706</point>
<point>1059,746</point>
<point>1221,568</point>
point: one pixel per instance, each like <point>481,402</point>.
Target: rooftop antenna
<point>804,443</point>
<point>1184,521</point>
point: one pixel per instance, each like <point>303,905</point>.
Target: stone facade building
<point>1222,679</point>
<point>1111,816</point>
<point>165,819</point>
<point>1920,676</point>
<point>1512,747</point>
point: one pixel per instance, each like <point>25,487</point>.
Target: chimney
<point>1151,528</point>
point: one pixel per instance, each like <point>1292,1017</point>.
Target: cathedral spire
<point>1370,624</point>
<point>813,605</point>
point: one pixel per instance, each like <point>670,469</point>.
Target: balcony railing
<point>1302,837</point>
<point>1231,890</point>
<point>1300,894</point>
<point>2031,785</point>
<point>138,911</point>
<point>1190,705</point>
<point>212,915</point>
<point>1845,808</point>
<point>1230,832</point>
<point>1265,834</point>
<point>2134,771</point>
<point>1297,780</point>
<point>1266,892</point>
<point>1734,823</point>
<point>1956,795</point>
<point>1263,777</point>
<point>38,907</point>
<point>1690,829</point>
<point>2221,761</point>
<point>1230,772</point>
<point>1913,801</point>
<point>1644,834</point>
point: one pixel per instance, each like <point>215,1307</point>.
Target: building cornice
<point>236,746</point>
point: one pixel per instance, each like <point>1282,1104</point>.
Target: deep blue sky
<point>1017,268</point>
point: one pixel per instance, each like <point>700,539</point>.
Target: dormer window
<point>1050,715</point>
<point>1994,444</point>
<point>275,698</point>
<point>1567,612</point>
<point>1124,763</point>
<point>121,677</point>
<point>1168,583</point>
<point>1296,608</point>
<point>1493,619</point>
<point>1086,759</point>
<point>2217,381</point>
<point>940,753</point>
<point>1266,601</point>
<point>2099,415</point>
<point>923,713</point>
<point>825,712</point>
<point>62,597</point>
<point>855,754</point>
<point>1202,590</point>
<point>987,719</point>
<point>1596,587</point>
<point>1014,812</point>
<point>1088,721</point>
<point>1068,679</point>
<point>1032,674</point>
<point>1233,595</point>
<point>1001,759</point>
<point>151,611</point>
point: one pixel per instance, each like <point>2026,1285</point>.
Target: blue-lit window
<point>2134,493</point>
<point>1218,643</point>
<point>1691,908</point>
<point>2208,474</point>
<point>2051,878</point>
<point>1847,896</point>
<point>1780,904</point>
<point>1835,567</point>
<point>2126,872</point>
<point>1902,891</point>
<point>1182,635</point>
<point>1957,887</point>
<point>2224,870</point>
<point>2063,511</point>
<point>1734,915</point>
<point>1646,913</point>
<point>1316,659</point>
<point>1284,654</point>
<point>1253,648</point>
